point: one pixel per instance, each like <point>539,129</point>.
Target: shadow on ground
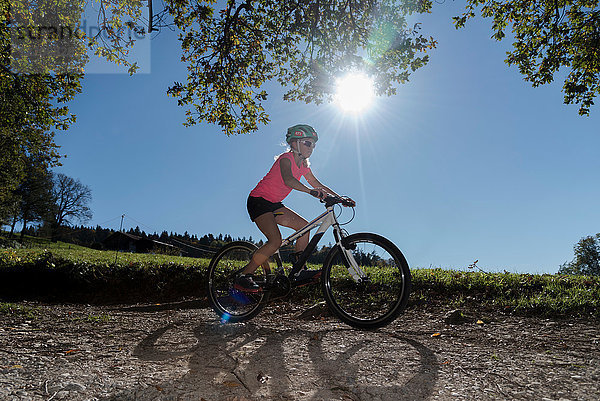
<point>311,361</point>
<point>168,306</point>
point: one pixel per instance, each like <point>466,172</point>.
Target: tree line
<point>42,197</point>
<point>94,237</point>
<point>585,262</point>
<point>191,245</point>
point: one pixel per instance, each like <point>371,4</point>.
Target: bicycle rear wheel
<point>230,304</point>
<point>381,297</point>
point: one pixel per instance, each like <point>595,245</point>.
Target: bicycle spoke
<point>232,304</point>
<point>373,300</point>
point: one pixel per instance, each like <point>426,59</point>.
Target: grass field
<point>545,295</point>
<point>35,248</point>
<point>85,272</point>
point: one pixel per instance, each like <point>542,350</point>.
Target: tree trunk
<point>54,227</point>
<point>12,227</point>
<point>23,231</point>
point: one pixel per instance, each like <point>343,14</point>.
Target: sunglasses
<point>309,144</point>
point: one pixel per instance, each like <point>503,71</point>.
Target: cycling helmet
<point>300,131</point>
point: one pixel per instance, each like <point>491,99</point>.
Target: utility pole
<point>119,241</point>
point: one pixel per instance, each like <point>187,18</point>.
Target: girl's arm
<point>319,191</point>
<point>312,180</point>
<point>285,166</point>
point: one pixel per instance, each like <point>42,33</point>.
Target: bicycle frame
<point>324,221</point>
<point>362,301</point>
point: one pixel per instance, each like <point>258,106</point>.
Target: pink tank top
<point>272,187</point>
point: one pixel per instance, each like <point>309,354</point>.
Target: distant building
<point>120,241</point>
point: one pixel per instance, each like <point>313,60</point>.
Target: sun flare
<point>354,92</point>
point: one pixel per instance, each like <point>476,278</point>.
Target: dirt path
<point>181,352</point>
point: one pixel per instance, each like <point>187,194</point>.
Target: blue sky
<point>467,162</point>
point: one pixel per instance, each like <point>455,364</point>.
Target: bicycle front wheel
<point>230,304</point>
<point>376,299</point>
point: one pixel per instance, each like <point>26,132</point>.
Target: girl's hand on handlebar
<point>348,202</point>
<point>318,193</point>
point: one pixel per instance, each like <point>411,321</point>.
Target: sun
<point>354,92</point>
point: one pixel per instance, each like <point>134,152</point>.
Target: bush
<point>529,294</point>
<point>42,275</point>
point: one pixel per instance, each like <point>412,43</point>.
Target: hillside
<point>66,272</point>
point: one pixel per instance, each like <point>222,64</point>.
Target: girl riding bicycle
<point>266,210</point>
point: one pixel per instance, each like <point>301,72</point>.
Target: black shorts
<point>259,206</point>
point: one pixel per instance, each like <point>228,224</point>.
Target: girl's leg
<point>268,226</point>
<point>291,219</point>
<point>288,218</point>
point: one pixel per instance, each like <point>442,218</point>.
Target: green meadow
<point>67,272</point>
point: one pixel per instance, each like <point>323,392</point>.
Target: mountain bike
<point>365,279</point>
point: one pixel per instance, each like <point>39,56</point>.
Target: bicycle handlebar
<point>334,200</point>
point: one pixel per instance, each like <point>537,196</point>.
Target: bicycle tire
<point>230,304</point>
<point>371,304</point>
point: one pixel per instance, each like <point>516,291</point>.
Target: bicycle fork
<point>350,262</point>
